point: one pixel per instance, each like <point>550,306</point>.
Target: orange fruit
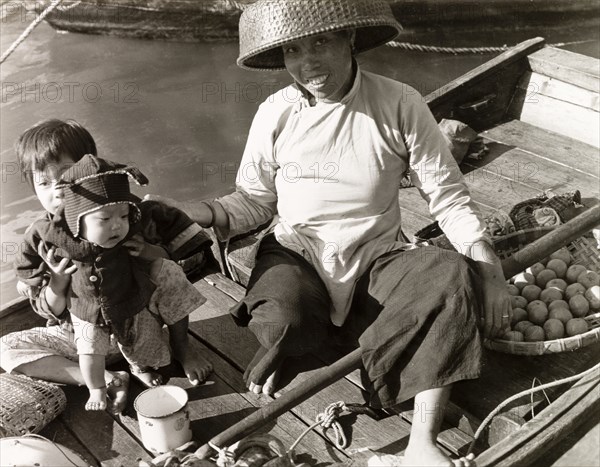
<point>576,326</point>
<point>537,311</point>
<point>513,289</point>
<point>573,272</point>
<point>588,279</point>
<point>517,301</point>
<point>550,295</point>
<point>557,284</point>
<point>544,277</point>
<point>514,336</point>
<point>518,314</point>
<point>558,304</point>
<point>522,279</point>
<point>558,266</point>
<point>562,254</point>
<point>574,289</point>
<point>561,314</point>
<point>535,269</point>
<point>579,306</point>
<point>534,334</point>
<point>593,296</point>
<point>554,329</point>
<point>522,325</point>
<point>531,292</point>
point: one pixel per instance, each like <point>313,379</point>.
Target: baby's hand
<point>59,267</point>
<point>137,246</point>
<point>29,291</point>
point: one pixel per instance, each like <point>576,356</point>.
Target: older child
<point>111,290</point>
<point>44,151</point>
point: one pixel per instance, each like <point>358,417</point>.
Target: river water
<point>179,111</point>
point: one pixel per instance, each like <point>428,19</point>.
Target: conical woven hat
<point>268,24</point>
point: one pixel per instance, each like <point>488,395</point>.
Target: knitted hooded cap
<point>268,24</point>
<point>93,183</point>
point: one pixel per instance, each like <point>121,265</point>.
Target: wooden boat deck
<point>523,161</point>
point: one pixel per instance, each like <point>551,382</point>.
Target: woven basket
<point>585,252</point>
<point>27,405</point>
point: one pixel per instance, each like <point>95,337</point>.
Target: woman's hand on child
<point>138,247</point>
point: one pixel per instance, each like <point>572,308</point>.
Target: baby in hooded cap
<point>113,292</point>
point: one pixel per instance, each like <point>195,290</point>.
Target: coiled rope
<point>463,50</point>
<point>29,29</point>
<point>328,419</point>
<point>525,393</point>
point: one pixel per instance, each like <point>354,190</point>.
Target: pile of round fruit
<point>551,298</point>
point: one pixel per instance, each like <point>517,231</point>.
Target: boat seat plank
<point>567,66</point>
<point>554,114</point>
<point>562,150</point>
<point>535,85</point>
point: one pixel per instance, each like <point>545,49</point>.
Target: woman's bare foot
<point>262,374</point>
<point>195,367</point>
<point>97,400</point>
<point>146,376</point>
<point>117,389</point>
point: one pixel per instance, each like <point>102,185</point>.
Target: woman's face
<point>322,64</point>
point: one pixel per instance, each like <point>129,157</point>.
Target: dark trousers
<point>414,314</point>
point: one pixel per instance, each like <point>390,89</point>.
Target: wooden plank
<point>548,428</point>
<point>581,447</point>
<point>504,375</point>
<point>105,438</point>
<point>16,304</point>
<point>579,70</point>
<point>19,320</point>
<point>535,84</point>
<point>59,433</point>
<point>560,149</point>
<point>562,117</point>
<point>519,167</point>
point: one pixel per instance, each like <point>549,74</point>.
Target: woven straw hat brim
<point>268,24</point>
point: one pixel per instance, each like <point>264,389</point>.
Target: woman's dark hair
<point>44,143</point>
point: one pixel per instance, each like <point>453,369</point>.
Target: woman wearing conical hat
<point>324,160</point>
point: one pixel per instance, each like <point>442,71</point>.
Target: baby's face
<point>44,183</point>
<point>107,226</point>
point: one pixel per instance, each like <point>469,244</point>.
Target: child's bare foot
<point>146,376</point>
<point>117,389</point>
<point>97,400</point>
<point>195,367</point>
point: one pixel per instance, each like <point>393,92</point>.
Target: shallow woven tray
<point>27,405</point>
<point>585,252</point>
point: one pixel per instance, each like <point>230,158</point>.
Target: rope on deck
<point>29,29</point>
<point>503,404</point>
<point>463,50</point>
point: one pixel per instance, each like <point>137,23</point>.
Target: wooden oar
<point>322,378</point>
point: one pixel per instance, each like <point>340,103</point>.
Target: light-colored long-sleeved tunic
<point>330,175</point>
